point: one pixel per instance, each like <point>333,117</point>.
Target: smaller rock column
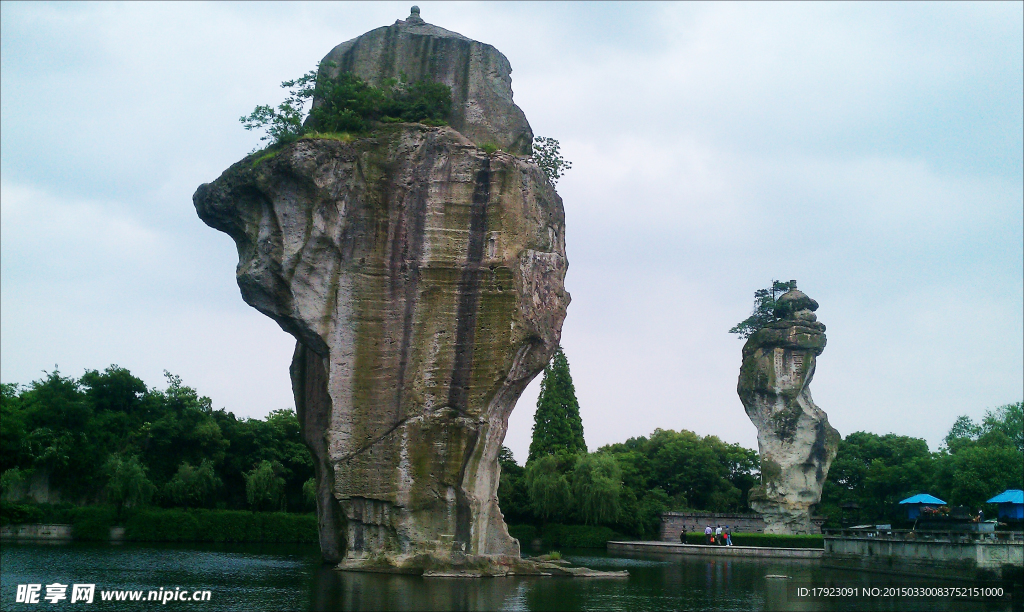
<point>796,442</point>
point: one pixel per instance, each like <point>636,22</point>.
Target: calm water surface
<point>291,577</point>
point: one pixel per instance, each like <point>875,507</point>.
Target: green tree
<point>193,486</point>
<point>596,488</point>
<point>13,432</point>
<point>764,309</point>
<point>127,484</point>
<point>549,489</point>
<point>513,493</point>
<point>277,438</point>
<point>980,461</point>
<point>1008,419</point>
<point>963,432</point>
<point>557,425</point>
<point>547,154</point>
<point>346,103</point>
<point>309,493</point>
<point>264,488</point>
<point>185,430</point>
<point>61,439</point>
<point>872,473</point>
<point>650,507</point>
<point>11,480</point>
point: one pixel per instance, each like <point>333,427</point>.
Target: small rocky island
<point>795,441</point>
<point>420,270</point>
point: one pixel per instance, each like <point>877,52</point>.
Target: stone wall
<point>677,548</point>
<point>35,531</point>
<point>979,560</point>
<point>672,523</point>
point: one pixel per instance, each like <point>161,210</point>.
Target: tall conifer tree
<point>556,424</point>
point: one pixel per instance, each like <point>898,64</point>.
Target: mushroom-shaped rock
<point>422,279</point>
<point>796,442</point>
<point>478,74</point>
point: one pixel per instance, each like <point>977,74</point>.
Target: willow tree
<point>556,424</point>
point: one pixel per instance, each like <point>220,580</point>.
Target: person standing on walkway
<point>728,536</point>
<point>718,535</point>
<point>708,537</point>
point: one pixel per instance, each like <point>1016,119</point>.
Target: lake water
<point>291,577</point>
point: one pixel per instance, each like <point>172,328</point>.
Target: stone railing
<point>920,535</point>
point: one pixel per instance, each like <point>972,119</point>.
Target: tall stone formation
<point>796,442</point>
<point>422,279</point>
<point>478,74</point>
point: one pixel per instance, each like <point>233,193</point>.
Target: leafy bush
<point>284,527</point>
<point>162,526</point>
<point>127,484</point>
<point>193,486</point>
<point>228,526</point>
<point>579,536</point>
<point>596,487</point>
<point>16,514</point>
<point>264,489</point>
<point>221,526</point>
<point>347,103</point>
<point>549,489</point>
<point>547,153</point>
<point>524,533</point>
<point>93,523</point>
<point>12,480</point>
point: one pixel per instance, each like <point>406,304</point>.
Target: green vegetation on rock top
<point>764,309</point>
<point>348,104</point>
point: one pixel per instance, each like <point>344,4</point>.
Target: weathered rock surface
<point>422,279</point>
<point>478,74</point>
<point>796,442</point>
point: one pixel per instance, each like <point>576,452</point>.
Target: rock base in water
<point>471,566</point>
<point>422,278</point>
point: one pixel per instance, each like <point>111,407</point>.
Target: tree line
<point>624,486</point>
<point>108,438</point>
<point>872,473</point>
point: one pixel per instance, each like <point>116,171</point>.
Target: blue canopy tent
<point>921,500</point>
<point>1011,504</point>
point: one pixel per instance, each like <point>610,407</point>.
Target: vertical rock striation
<point>795,441</point>
<point>423,281</point>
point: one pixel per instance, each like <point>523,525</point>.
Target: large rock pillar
<point>795,440</point>
<point>422,279</point>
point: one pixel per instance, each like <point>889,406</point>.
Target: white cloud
<point>873,152</point>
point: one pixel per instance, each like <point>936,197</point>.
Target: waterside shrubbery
<point>220,526</point>
<point>565,536</point>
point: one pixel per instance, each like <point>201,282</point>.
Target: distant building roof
<point>1009,496</point>
<point>923,498</point>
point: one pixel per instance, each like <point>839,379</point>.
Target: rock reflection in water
<point>336,590</point>
<point>292,577</point>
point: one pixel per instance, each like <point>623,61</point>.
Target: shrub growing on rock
<point>348,104</point>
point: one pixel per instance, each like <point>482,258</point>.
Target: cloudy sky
<point>871,151</point>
